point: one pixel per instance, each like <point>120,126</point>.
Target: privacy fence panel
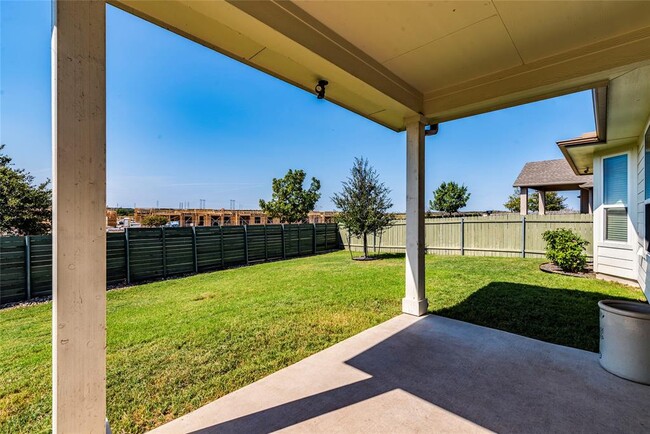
<point>155,253</point>
<point>499,235</point>
<point>13,276</point>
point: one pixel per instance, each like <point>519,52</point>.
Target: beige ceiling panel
<point>306,78</point>
<point>195,21</point>
<point>477,50</point>
<point>628,105</point>
<point>387,29</point>
<point>540,29</point>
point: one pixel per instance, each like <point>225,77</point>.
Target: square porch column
<point>79,224</point>
<point>523,201</point>
<point>585,201</point>
<point>415,302</point>
<point>541,195</point>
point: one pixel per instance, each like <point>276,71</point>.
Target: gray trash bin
<point>625,339</point>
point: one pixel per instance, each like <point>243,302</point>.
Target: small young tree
<point>154,221</point>
<point>449,197</point>
<point>25,207</point>
<point>364,203</point>
<point>554,202</point>
<point>290,202</point>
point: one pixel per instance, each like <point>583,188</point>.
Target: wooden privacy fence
<point>156,253</point>
<point>499,235</point>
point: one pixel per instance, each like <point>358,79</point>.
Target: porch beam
<point>79,224</point>
<point>415,302</point>
<point>523,201</point>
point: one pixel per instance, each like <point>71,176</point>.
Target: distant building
<point>215,217</point>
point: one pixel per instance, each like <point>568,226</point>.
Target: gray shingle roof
<point>550,173</point>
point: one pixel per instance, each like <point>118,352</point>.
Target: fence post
<point>223,258</point>
<point>127,255</point>
<point>314,240</point>
<point>462,236</point>
<point>246,243</point>
<point>164,251</point>
<point>284,250</point>
<point>194,250</point>
<point>523,236</point>
<point>266,245</point>
<point>28,266</point>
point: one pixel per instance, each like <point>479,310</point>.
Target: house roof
<point>551,175</point>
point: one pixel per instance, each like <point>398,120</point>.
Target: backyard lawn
<point>176,345</point>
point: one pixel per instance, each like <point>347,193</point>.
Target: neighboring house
<point>552,175</point>
<point>617,156</point>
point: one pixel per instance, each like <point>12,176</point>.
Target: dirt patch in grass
<point>587,273</point>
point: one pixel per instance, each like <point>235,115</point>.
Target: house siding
<point>642,256</point>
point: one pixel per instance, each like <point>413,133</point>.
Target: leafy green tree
<point>290,202</point>
<point>449,197</point>
<point>364,202</point>
<point>154,220</point>
<point>554,202</point>
<point>25,207</point>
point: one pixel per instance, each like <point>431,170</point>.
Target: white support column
<point>541,195</point>
<point>79,224</point>
<point>415,302</point>
<point>523,201</point>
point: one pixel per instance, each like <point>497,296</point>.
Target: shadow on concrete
<point>557,315</point>
<point>499,381</point>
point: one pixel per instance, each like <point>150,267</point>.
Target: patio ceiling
<point>391,60</point>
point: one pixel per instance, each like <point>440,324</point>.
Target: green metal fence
<point>156,253</point>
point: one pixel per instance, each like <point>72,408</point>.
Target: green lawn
<point>176,345</point>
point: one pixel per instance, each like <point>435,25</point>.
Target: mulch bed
<point>588,273</point>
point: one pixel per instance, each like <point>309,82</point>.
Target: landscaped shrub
<point>566,249</point>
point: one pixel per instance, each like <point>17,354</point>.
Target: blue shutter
<point>615,180</point>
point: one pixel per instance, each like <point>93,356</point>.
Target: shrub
<point>566,249</point>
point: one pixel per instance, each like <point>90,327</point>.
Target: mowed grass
<point>176,345</point>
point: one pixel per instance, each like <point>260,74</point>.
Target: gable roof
<point>551,175</point>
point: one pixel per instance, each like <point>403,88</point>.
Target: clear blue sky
<point>186,123</point>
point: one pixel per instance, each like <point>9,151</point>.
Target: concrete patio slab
<point>432,374</point>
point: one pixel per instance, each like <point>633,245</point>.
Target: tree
<point>154,220</point>
<point>449,197</point>
<point>290,202</point>
<point>364,203</point>
<point>554,202</point>
<point>25,207</point>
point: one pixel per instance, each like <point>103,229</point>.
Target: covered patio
<point>407,66</point>
<point>431,374</point>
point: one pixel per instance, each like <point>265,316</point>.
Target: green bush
<point>566,249</point>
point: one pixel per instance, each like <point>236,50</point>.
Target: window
<point>258,220</point>
<point>615,197</point>
<point>616,224</point>
<point>615,180</point>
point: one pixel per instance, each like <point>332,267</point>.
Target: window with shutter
<point>616,224</point>
<point>615,180</point>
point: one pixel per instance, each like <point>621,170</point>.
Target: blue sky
<point>185,123</point>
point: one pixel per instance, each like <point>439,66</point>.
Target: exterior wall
<point>612,258</point>
<point>643,256</point>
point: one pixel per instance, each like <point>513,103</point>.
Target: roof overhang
<point>621,111</point>
<point>389,61</point>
